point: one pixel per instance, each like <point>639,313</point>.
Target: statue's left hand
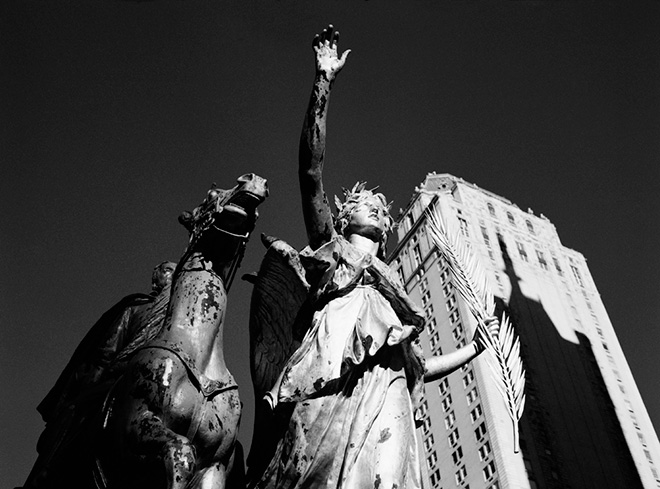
<point>492,324</point>
<point>328,61</point>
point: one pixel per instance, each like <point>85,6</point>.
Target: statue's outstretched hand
<point>328,63</point>
<point>492,324</point>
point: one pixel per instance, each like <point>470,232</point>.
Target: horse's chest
<point>214,425</point>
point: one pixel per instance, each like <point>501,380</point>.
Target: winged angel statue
<point>335,355</point>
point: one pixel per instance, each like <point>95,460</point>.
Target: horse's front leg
<point>175,451</point>
<point>158,408</point>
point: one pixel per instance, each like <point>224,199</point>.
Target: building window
<point>447,289</point>
<point>475,413</point>
<point>484,451</point>
<point>471,396</point>
<point>509,216</point>
<point>423,408</point>
<point>648,455</point>
<point>431,326</point>
<point>432,459</point>
<point>443,386</point>
<point>530,226</point>
<point>489,470</point>
<point>444,275</point>
<point>449,420</point>
<point>457,455</point>
<point>454,317</point>
<point>557,266</point>
<point>521,251</point>
<point>491,209</point>
<point>453,438</point>
<point>426,425</point>
<point>484,233</point>
<point>641,439</point>
<point>428,310</point>
<point>468,378</point>
<point>426,297</point>
<point>434,339</point>
<point>451,302</point>
<point>457,332</point>
<point>542,262</point>
<point>435,477</point>
<point>480,431</point>
<point>460,343</point>
<point>446,403</point>
<point>429,442</point>
<point>417,256</point>
<point>464,227</point>
<point>424,284</point>
<point>461,474</point>
<point>496,485</point>
<point>576,274</point>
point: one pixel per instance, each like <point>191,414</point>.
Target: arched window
<point>491,209</point>
<point>511,219</point>
<point>530,226</point>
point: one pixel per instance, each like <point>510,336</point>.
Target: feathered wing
<point>504,347</point>
<point>280,291</point>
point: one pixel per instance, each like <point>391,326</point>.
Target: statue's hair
<point>352,199</point>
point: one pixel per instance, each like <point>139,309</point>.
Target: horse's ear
<point>186,218</point>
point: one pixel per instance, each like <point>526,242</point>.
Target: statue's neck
<point>364,244</point>
<point>196,314</point>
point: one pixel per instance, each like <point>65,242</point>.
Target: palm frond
<point>504,347</point>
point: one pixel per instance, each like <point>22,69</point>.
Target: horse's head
<point>221,225</point>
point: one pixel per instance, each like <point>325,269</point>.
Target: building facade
<point>585,424</point>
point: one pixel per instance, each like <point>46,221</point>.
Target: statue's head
<point>225,219</point>
<point>162,276</point>
<point>364,212</point>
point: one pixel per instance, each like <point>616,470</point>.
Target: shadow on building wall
<point>570,435</point>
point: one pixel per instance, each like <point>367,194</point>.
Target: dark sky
<point>116,116</point>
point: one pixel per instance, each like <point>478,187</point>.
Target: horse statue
<point>171,419</point>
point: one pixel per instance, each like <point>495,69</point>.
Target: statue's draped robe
<point>355,380</point>
<point>93,355</point>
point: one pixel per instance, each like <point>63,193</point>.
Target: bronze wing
<point>276,328</point>
<point>280,290</point>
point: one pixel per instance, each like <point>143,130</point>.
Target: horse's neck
<point>196,315</point>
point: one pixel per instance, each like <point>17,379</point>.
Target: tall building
<point>585,424</point>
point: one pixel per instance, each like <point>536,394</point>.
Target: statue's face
<point>368,217</point>
<point>162,276</point>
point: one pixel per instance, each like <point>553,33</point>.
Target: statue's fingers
<point>329,32</point>
<point>335,40</point>
<point>316,41</point>
<point>344,56</point>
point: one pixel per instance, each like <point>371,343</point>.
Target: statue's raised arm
<point>316,210</point>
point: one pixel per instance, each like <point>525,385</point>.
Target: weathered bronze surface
<point>171,413</point>
<point>72,405</point>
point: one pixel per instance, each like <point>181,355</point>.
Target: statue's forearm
<point>316,211</point>
<point>442,365</point>
<point>312,138</point>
